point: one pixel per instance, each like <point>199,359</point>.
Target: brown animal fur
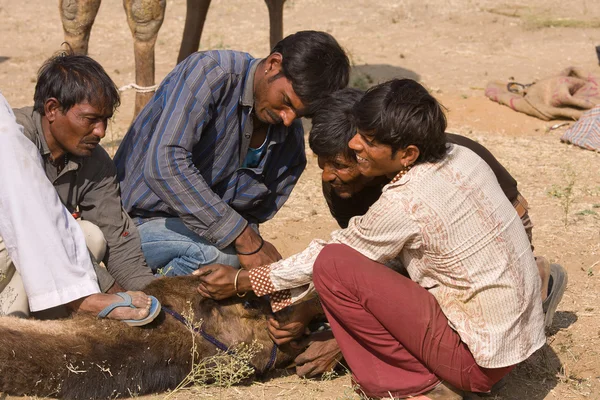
<point>87,358</point>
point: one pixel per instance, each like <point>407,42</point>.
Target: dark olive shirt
<point>343,209</point>
<point>89,185</point>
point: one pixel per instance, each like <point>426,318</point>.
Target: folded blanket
<point>585,132</point>
<point>566,96</point>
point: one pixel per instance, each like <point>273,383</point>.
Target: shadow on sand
<point>534,378</point>
<point>364,76</point>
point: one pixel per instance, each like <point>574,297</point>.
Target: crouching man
<point>53,170</point>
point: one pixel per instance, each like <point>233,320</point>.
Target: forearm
<point>191,199</point>
<point>125,260</point>
<point>248,241</point>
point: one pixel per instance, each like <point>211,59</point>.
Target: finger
<point>203,291</point>
<point>279,334</point>
<point>273,322</point>
<point>203,271</point>
<point>281,342</point>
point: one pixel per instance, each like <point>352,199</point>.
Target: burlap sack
<point>566,96</point>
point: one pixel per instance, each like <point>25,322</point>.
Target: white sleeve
<point>43,240</point>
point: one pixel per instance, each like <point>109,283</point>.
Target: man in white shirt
<point>44,261</point>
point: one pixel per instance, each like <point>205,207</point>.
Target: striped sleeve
<point>188,105</point>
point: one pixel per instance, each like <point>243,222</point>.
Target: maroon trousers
<point>392,331</point>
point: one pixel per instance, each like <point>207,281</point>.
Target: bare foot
<point>97,302</point>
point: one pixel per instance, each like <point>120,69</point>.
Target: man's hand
<point>249,241</point>
<point>284,332</point>
<point>217,281</point>
<point>291,324</point>
<point>322,355</point>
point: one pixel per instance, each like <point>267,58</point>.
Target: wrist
<point>243,283</point>
<point>248,242</point>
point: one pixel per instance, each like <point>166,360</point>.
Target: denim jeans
<point>172,249</point>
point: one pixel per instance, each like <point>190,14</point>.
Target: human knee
<point>325,263</point>
<point>94,239</point>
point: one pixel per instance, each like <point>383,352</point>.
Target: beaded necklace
<point>58,165</point>
<point>400,174</point>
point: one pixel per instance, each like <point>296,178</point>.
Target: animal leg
<point>195,16</point>
<point>77,17</point>
<point>145,18</point>
<point>275,20</point>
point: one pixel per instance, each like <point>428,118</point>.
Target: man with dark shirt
<point>61,172</point>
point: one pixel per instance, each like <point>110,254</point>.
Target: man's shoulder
<point>230,61</point>
<point>26,118</point>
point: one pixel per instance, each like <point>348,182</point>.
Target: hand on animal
<point>321,355</point>
<point>267,255</point>
<point>253,251</point>
<point>286,332</point>
<point>291,324</point>
<point>217,281</point>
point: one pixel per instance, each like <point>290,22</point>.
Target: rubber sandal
<point>127,302</point>
<point>559,284</point>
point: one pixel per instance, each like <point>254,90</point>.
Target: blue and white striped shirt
<point>183,155</point>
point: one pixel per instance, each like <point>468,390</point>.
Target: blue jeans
<point>172,249</point>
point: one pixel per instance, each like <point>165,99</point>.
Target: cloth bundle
<point>566,96</point>
<point>585,132</point>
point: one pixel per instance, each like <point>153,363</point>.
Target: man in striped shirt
<point>219,148</point>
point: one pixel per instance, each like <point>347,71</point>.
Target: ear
<point>51,108</point>
<point>273,63</point>
<point>410,155</point>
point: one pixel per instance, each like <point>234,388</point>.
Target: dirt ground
<point>454,47</point>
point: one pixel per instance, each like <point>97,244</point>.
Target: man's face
<point>374,158</point>
<point>274,98</point>
<point>343,175</point>
<point>79,130</point>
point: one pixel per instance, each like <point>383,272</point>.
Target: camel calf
<point>87,358</point>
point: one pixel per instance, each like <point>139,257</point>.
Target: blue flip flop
<point>127,302</point>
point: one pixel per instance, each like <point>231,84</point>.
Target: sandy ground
<point>454,47</point>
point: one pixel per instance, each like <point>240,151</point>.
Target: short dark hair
<point>400,113</point>
<point>315,63</point>
<point>333,125</point>
<point>73,79</point>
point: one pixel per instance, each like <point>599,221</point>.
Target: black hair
<point>316,65</point>
<point>73,79</point>
<point>400,113</point>
<point>333,125</point>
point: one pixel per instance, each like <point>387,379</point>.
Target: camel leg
<point>195,16</point>
<point>275,20</point>
<point>77,18</point>
<point>145,18</point>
